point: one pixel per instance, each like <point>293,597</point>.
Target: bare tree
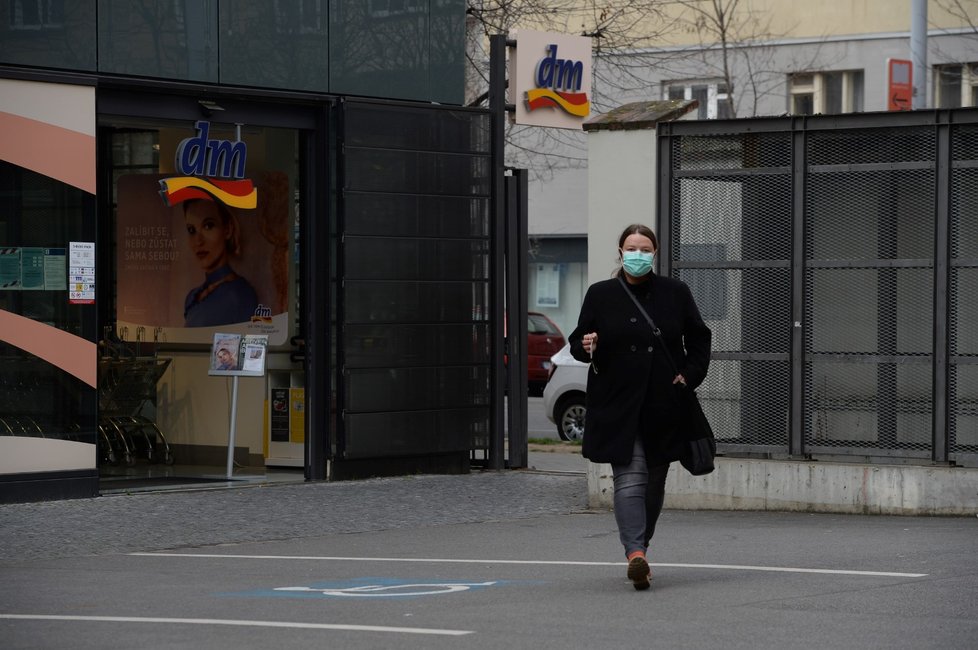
<point>616,26</point>
<point>965,11</point>
<point>736,48</point>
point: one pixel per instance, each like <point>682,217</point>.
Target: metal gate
<point>833,257</point>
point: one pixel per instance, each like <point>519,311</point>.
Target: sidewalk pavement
<point>157,520</point>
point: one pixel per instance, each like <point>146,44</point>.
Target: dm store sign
<point>553,79</point>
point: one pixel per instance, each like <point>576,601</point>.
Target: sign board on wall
<point>550,79</point>
<point>899,85</point>
<point>81,273</point>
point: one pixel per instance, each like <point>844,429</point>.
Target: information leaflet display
<point>238,355</point>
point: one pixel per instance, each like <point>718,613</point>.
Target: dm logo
<point>213,170</point>
<point>558,84</point>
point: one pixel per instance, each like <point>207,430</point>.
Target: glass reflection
<point>379,48</point>
<point>156,38</point>
<point>52,34</point>
<point>277,44</point>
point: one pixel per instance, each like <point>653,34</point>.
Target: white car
<point>563,397</point>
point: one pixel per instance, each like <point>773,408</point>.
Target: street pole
<point>918,51</point>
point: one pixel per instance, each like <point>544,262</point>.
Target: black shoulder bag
<point>700,445</point>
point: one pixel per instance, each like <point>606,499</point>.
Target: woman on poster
<point>224,297</point>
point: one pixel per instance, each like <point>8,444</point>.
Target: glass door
<point>201,243</point>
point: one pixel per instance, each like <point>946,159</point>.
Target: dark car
<point>543,341</point>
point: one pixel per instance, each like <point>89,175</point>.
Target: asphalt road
<point>486,560</point>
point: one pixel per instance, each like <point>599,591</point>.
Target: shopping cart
<point>25,396</point>
<point>127,385</point>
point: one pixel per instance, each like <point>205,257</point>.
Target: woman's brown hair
<point>638,229</point>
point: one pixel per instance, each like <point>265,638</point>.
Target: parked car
<point>563,397</point>
<point>544,339</point>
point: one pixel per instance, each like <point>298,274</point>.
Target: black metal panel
<point>411,215</point>
<point>396,301</point>
<point>412,389</point>
<point>416,293</point>
<point>416,172</point>
<point>413,128</point>
<point>400,345</point>
<point>317,324</point>
<point>516,326</point>
<point>389,434</point>
<point>403,258</point>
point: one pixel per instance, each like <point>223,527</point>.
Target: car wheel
<point>569,416</point>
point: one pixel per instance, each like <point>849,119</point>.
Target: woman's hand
<point>679,380</point>
<point>590,342</point>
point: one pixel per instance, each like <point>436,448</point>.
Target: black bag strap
<point>655,330</point>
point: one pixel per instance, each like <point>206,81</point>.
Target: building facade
<point>187,182</point>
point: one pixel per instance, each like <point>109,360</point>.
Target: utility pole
<point>918,51</point>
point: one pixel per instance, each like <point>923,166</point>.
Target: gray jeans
<point>639,493</point>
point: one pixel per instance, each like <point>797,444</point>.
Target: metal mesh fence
<point>869,242</point>
<point>732,245</point>
<point>963,334</point>
<point>814,251</point>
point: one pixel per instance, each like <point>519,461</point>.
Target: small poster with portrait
<point>238,355</point>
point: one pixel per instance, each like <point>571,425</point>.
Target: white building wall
<point>621,191</point>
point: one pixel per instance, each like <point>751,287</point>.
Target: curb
<point>807,486</point>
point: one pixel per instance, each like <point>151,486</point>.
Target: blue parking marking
<point>373,587</point>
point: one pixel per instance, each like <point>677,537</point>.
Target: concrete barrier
<point>807,486</point>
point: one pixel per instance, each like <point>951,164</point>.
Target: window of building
<point>36,14</point>
<point>956,85</point>
<point>714,97</point>
<point>827,93</point>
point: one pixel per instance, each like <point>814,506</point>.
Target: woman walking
<point>631,414</point>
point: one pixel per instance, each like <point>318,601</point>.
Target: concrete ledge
<point>806,486</point>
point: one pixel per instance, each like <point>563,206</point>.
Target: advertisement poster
<point>201,265</point>
<point>280,416</point>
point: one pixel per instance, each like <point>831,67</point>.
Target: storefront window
<point>204,243</point>
<point>39,218</point>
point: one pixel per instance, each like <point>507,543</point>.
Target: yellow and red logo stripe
<point>237,194</point>
<point>573,103</point>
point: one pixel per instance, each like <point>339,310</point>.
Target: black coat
<point>629,384</point>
